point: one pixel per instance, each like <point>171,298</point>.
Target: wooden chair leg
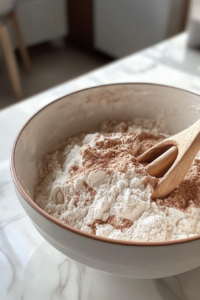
<point>10,60</point>
<point>22,47</point>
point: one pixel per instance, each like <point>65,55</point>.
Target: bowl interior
<point>84,110</point>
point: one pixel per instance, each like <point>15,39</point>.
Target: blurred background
<point>44,43</point>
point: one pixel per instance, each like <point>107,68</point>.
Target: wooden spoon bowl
<point>172,158</point>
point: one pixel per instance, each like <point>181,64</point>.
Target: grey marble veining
<point>30,268</point>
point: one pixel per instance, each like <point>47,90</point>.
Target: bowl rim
<point>65,226</point>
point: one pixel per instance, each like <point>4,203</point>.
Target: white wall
<point>125,26</point>
<point>194,24</point>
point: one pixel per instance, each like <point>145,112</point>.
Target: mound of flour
<point>94,183</point>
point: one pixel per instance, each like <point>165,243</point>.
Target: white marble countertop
<point>30,268</point>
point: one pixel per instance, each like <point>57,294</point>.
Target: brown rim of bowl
<point>77,231</point>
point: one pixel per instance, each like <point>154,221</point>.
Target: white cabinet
<point>122,27</point>
<point>42,20</point>
<point>194,24</point>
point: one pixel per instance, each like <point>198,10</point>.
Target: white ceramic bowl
<point>81,112</point>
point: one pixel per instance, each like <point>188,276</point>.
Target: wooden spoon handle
<point>161,165</point>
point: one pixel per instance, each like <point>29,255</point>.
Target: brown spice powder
<point>147,141</point>
<point>115,153</point>
<point>124,223</point>
<point>187,194</point>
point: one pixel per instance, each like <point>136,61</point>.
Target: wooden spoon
<point>177,152</point>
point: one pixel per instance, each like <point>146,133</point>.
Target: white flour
<point>106,201</point>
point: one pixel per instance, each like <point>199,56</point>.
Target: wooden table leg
<point>10,60</point>
<point>22,47</point>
